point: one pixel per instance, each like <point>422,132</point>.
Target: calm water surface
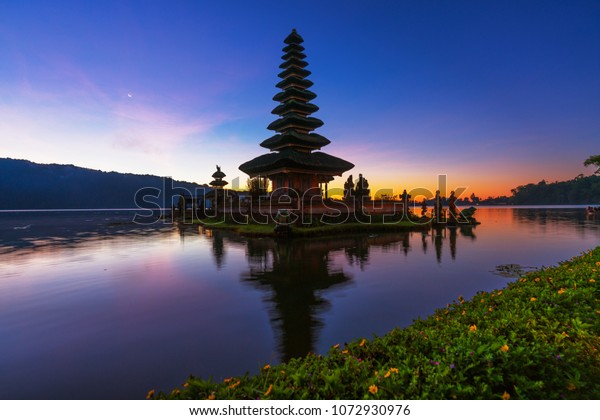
<point>93,306</point>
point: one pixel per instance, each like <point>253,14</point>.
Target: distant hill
<point>28,185</point>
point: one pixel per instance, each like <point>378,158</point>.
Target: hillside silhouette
<point>27,185</point>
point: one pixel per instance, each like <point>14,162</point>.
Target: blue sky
<point>493,94</point>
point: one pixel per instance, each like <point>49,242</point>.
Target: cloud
<point>152,130</point>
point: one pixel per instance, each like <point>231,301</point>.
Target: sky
<point>491,94</point>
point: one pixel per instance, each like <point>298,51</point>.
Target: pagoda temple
<point>218,182</point>
<point>293,163</point>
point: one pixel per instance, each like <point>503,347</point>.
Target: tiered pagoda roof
<point>293,147</point>
<point>218,181</point>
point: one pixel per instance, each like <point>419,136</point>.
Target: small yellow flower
<point>592,281</point>
<point>561,291</point>
<point>482,300</point>
<point>282,372</point>
<point>598,263</point>
<point>269,390</point>
<point>490,309</point>
<point>345,351</point>
<point>373,389</point>
<point>227,380</point>
<point>150,394</point>
<point>564,334</point>
<point>211,396</point>
<point>504,348</point>
<point>500,292</point>
<point>394,370</point>
<point>464,312</point>
<point>387,374</point>
<point>473,328</point>
<point>362,343</point>
<point>537,279</point>
<point>337,346</point>
<point>533,299</point>
<point>571,386</point>
<point>266,367</point>
<point>506,396</point>
<point>233,386</point>
<point>185,385</point>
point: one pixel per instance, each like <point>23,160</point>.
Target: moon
<point>130,95</point>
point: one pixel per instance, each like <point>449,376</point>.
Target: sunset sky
<point>493,94</point>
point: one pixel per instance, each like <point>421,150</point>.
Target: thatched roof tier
<point>293,62</point>
<point>294,71</point>
<point>312,141</point>
<point>218,183</point>
<point>219,174</point>
<point>294,81</point>
<point>297,122</point>
<point>293,47</point>
<point>293,38</point>
<point>290,160</point>
<point>302,95</point>
<point>293,54</point>
<point>301,108</point>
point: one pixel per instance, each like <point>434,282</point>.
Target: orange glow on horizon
<point>423,187</point>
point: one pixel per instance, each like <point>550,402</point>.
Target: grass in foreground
<point>536,339</point>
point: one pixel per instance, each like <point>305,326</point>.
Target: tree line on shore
<point>579,190</point>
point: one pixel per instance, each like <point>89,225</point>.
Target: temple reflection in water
<point>295,275</point>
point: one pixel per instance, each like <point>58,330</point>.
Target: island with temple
<point>299,173</point>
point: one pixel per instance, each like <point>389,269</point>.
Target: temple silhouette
<point>294,162</point>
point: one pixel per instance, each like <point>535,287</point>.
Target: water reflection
<point>575,218</point>
<point>82,295</point>
<point>218,249</point>
<point>294,274</point>
<point>439,234</point>
<point>47,231</point>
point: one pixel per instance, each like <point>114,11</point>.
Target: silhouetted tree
<point>257,186</point>
<point>362,188</point>
<point>595,161</point>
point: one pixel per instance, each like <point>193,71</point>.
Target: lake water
<point>93,306</point>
